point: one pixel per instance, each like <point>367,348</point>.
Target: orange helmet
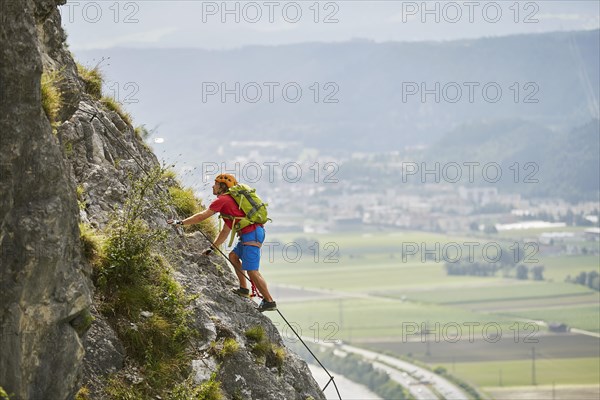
<point>227,179</point>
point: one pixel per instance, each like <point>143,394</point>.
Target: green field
<point>372,242</point>
<point>365,262</point>
<point>586,318</point>
<point>357,319</point>
<point>555,392</point>
<point>558,267</point>
<point>514,343</point>
<point>374,258</point>
<point>353,246</point>
<point>533,233</point>
<point>547,303</point>
<point>369,276</point>
<point>519,372</point>
<point>509,289</point>
<point>371,263</point>
<point>371,294</point>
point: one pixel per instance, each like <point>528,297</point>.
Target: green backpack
<point>249,202</point>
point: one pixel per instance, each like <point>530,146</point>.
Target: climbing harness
<point>255,292</point>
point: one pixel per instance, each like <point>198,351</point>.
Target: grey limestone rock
<point>47,348</point>
<point>43,285</point>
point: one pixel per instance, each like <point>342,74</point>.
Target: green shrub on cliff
<point>144,303</point>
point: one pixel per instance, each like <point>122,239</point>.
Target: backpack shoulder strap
<point>234,229</point>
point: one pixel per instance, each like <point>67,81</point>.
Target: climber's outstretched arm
<point>194,219</point>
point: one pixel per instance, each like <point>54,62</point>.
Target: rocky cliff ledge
<point>81,317</point>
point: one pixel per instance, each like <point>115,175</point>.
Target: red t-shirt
<point>225,204</point>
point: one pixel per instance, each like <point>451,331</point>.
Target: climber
<point>246,254</point>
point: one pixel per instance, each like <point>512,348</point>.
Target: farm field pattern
<point>478,326</point>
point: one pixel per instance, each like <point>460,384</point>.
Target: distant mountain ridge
<point>535,160</point>
<point>549,78</point>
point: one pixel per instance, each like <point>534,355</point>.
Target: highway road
<point>418,381</point>
<point>446,388</point>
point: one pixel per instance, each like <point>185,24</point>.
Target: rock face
<point>42,283</point>
<point>221,314</point>
<point>46,294</point>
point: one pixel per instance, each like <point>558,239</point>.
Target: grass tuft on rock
<point>187,204</point>
<point>3,394</point>
<point>114,105</point>
<point>264,350</point>
<point>208,390</point>
<point>224,349</point>
<point>83,393</point>
<point>92,80</point>
<point>51,95</point>
<point>91,244</point>
<point>256,333</point>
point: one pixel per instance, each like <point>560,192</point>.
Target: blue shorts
<point>250,255</point>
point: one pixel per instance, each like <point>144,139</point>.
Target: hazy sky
<point>103,24</point>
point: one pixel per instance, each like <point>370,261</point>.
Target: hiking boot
<point>267,306</point>
<point>242,292</point>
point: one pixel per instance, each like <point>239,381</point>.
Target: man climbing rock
<point>246,254</point>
